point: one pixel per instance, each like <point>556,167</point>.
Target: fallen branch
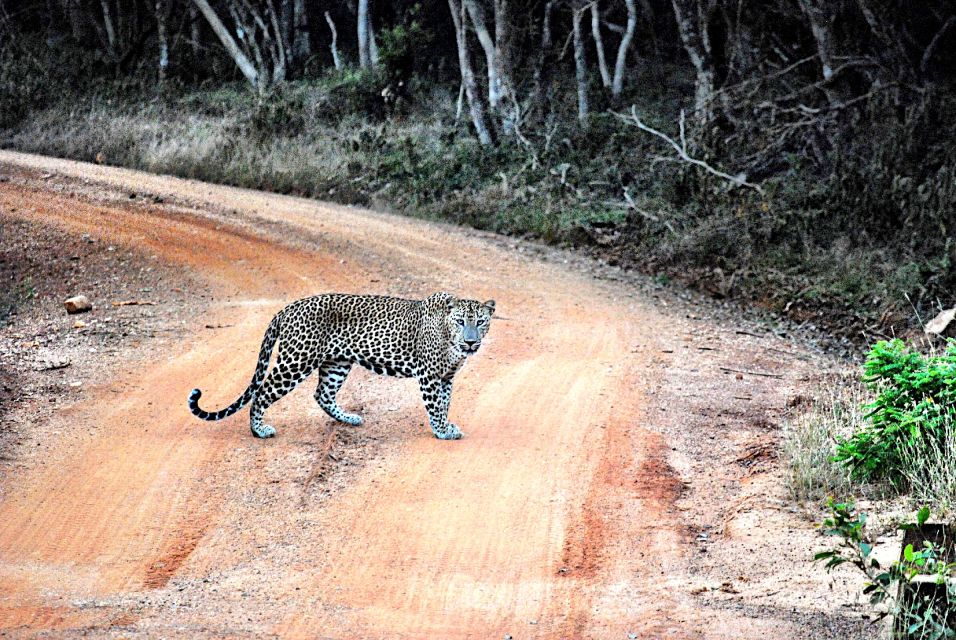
<point>752,373</point>
<point>682,152</point>
<point>130,303</point>
<point>53,366</point>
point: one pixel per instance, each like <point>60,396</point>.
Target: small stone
<point>79,324</point>
<point>77,304</point>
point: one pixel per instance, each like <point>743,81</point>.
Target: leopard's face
<point>468,322</point>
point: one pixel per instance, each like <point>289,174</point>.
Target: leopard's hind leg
<point>332,375</point>
<point>283,378</point>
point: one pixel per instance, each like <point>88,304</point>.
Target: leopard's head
<point>468,322</point>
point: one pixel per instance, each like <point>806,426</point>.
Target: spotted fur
<point>425,339</point>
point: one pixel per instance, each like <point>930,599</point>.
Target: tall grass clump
<point>809,443</point>
<point>928,466</point>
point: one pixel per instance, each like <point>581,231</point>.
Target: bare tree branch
<point>245,65</point>
<point>934,43</point>
<point>682,153</point>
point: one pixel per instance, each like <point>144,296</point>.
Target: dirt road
<point>557,516</point>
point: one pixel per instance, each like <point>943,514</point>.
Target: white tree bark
<point>109,27</point>
<point>363,46</point>
<point>580,65</point>
<point>599,44</point>
<point>372,43</point>
<point>475,106</point>
<point>336,60</point>
<point>692,25</point>
<point>477,15</point>
<point>617,84</point>
<point>245,65</point>
<point>162,12</point>
<point>276,47</point>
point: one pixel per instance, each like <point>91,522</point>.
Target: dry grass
<point>810,438</point>
<point>929,468</point>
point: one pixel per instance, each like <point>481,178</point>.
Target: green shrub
<point>916,397</point>
<point>928,617</point>
<point>351,92</point>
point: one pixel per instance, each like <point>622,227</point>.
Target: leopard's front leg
<point>437,396</point>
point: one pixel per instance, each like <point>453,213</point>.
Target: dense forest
<point>798,153</point>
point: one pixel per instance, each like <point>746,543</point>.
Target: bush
<point>351,92</point>
<point>916,398</point>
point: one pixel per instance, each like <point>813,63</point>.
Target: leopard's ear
<point>489,305</point>
<point>451,303</point>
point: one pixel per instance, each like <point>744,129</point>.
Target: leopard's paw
<point>451,432</point>
<point>263,431</point>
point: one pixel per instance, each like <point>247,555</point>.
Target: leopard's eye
<point>481,321</point>
<point>461,322</point>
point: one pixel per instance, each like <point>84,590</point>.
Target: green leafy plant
<point>916,394</point>
<point>924,618</point>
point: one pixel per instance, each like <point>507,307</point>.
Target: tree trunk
<point>162,12</point>
<point>692,23</point>
<point>285,28</point>
<point>542,72</point>
<point>477,15</point>
<point>302,38</point>
<point>194,32</point>
<point>504,60</point>
<point>821,20</point>
<point>110,29</point>
<point>599,44</point>
<point>336,60</point>
<point>580,66</point>
<point>362,22</point>
<point>618,84</point>
<point>245,65</point>
<point>278,52</point>
<point>372,43</point>
<point>475,106</point>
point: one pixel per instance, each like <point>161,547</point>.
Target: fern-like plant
<point>915,397</point>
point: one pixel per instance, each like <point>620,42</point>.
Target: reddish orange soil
<point>555,517</point>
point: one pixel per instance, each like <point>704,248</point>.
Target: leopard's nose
<point>471,344</point>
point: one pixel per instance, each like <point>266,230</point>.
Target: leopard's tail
<point>265,353</point>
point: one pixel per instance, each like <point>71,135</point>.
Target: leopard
<point>428,339</point>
